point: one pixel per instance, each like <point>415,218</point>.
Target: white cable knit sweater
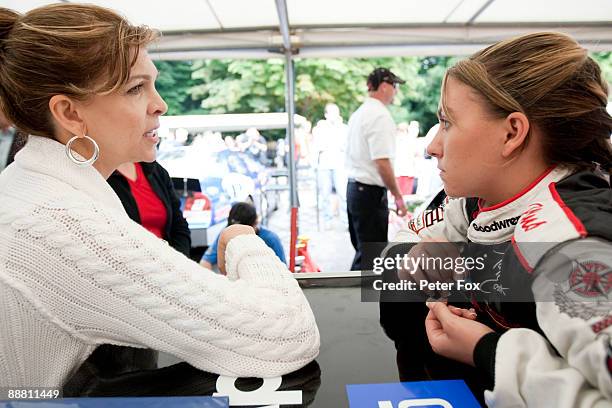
<point>76,272</point>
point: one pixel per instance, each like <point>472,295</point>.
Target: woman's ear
<point>516,127</point>
<point>66,116</point>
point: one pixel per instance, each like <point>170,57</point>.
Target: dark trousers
<point>368,218</point>
<point>402,317</point>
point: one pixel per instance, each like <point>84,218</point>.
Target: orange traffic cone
<point>308,264</point>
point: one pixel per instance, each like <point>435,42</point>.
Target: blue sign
<point>135,402</point>
<point>430,394</point>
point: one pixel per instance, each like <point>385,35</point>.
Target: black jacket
<point>176,232</point>
<point>19,140</point>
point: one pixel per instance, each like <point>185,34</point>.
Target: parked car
<point>209,182</point>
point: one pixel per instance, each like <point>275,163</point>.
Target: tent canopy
<point>335,28</point>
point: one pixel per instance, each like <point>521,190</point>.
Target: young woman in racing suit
<point>524,129</point>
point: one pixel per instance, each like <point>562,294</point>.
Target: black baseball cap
<point>380,75</point>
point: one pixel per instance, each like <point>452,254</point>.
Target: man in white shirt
<point>369,161</point>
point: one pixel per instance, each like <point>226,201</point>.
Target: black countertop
<point>354,350</point>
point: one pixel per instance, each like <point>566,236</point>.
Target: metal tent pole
<point>283,17</point>
<point>292,168</point>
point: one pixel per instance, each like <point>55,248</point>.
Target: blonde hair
<point>75,50</point>
<point>551,79</point>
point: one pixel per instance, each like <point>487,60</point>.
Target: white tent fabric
<point>336,28</point>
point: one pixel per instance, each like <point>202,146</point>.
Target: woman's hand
<point>226,236</point>
<point>451,334</point>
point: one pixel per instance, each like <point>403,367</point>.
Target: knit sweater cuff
<point>248,257</point>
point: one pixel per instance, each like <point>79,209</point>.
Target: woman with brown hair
<point>75,271</point>
<point>524,153</point>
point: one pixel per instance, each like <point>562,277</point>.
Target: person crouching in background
<point>244,213</point>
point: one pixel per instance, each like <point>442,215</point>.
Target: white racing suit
<point>558,242</point>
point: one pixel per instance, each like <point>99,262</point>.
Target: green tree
<point>323,81</point>
<point>604,59</point>
<point>343,82</point>
<point>241,86</point>
<point>237,86</point>
<point>423,102</point>
<point>173,83</point>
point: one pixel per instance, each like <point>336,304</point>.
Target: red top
<point>151,209</point>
